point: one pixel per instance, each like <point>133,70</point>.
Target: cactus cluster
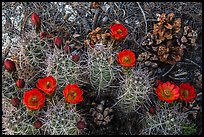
<point>57,119</point>
<point>134,90</point>
<point>49,54</point>
<point>35,52</point>
<point>17,121</point>
<point>31,62</point>
<point>64,69</point>
<point>167,120</point>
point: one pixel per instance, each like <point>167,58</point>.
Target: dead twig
<point>188,60</point>
<point>95,19</point>
<point>24,22</point>
<point>181,79</point>
<point>144,17</point>
<point>7,50</point>
<point>168,71</point>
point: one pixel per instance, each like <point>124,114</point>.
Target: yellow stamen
<point>167,92</point>
<point>48,84</point>
<point>119,31</point>
<point>185,93</point>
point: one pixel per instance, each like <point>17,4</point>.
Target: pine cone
<point>102,115</point>
<point>150,60</point>
<point>170,52</point>
<point>97,36</point>
<point>198,78</point>
<point>167,26</point>
<point>188,39</point>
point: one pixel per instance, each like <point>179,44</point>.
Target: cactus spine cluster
<point>31,60</point>
<point>101,72</point>
<point>167,120</point>
<point>134,90</point>
<point>60,119</point>
<point>63,69</point>
<point>17,121</point>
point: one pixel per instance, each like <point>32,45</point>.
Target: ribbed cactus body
<point>8,85</point>
<point>17,121</point>
<point>101,72</point>
<point>35,52</point>
<point>133,91</point>
<point>63,69</point>
<point>58,119</point>
<point>167,120</point>
<point>61,119</point>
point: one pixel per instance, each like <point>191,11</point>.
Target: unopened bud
<point>75,58</point>
<point>9,65</point>
<point>15,102</point>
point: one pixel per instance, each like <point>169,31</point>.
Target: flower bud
<point>37,124</point>
<point>81,125</point>
<point>35,19</point>
<point>92,46</point>
<point>67,48</point>
<point>20,83</point>
<point>152,110</point>
<point>43,35</point>
<point>15,102</point>
<point>9,65</point>
<point>58,41</point>
<point>157,82</point>
<point>75,58</point>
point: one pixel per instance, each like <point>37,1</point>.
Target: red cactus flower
<point>167,91</point>
<point>126,58</point>
<point>15,102</point>
<point>9,65</point>
<point>75,58</point>
<point>34,99</point>
<point>37,124</point>
<point>187,92</point>
<point>43,35</point>
<point>47,84</point>
<point>58,41</point>
<point>73,94</point>
<point>118,31</point>
<point>20,83</point>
